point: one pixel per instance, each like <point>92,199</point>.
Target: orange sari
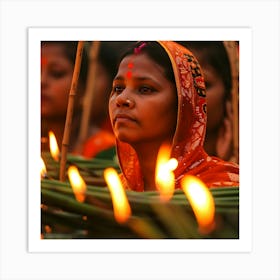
<point>187,146</point>
<point>102,140</point>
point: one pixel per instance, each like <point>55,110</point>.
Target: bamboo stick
<point>141,203</point>
<point>151,219</point>
<point>70,108</point>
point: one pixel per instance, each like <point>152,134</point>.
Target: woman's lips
<point>121,117</point>
<point>45,98</point>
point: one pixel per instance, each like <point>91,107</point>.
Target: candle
<point>122,210</point>
<point>43,169</point>
<point>164,177</point>
<point>53,146</point>
<point>77,183</point>
<point>201,201</point>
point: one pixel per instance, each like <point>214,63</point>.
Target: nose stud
<point>124,102</point>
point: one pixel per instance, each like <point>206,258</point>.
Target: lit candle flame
<point>122,210</point>
<point>77,183</point>
<point>201,201</point>
<point>43,169</point>
<point>164,177</point>
<point>53,146</point>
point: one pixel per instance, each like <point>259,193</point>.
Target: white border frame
<point>244,36</point>
<point>262,262</point>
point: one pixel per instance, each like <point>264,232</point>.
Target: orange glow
<point>165,179</point>
<point>122,210</point>
<point>43,169</point>
<point>53,146</point>
<point>202,202</point>
<point>77,183</point>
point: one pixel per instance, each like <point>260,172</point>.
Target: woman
<point>57,66</point>
<point>215,64</point>
<point>158,97</point>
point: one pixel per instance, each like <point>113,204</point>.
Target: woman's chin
<point>126,137</point>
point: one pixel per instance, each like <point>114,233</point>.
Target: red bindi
<point>43,60</point>
<point>129,73</point>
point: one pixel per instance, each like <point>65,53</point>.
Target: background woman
<point>214,61</point>
<point>57,66</point>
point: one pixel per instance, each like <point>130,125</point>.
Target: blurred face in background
<point>219,135</point>
<point>215,97</point>
<point>56,77</point>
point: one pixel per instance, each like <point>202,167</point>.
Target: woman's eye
<point>118,89</point>
<point>145,89</point>
<point>58,74</point>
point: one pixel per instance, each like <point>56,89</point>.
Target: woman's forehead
<point>140,64</point>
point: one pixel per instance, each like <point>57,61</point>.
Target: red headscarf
<point>187,146</point>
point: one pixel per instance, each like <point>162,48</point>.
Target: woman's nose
<point>43,78</point>
<point>125,100</point>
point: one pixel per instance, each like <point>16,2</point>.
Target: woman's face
<point>215,94</point>
<point>143,103</point>
<point>56,77</point>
